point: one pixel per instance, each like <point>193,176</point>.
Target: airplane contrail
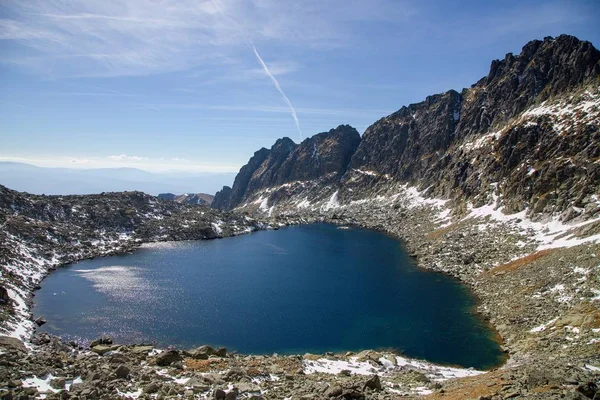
<point>279,89</point>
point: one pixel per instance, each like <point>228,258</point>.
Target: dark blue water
<point>311,288</point>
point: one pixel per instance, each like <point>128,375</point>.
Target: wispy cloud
<point>279,89</point>
<point>122,157</point>
<point>268,109</point>
<point>156,164</point>
<point>103,94</point>
<point>140,37</point>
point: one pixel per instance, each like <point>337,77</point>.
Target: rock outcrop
<point>188,198</point>
<point>323,157</point>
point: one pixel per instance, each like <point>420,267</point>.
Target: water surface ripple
<point>310,288</point>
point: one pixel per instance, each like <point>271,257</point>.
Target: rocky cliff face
<point>525,137</point>
<point>240,184</point>
<point>323,157</point>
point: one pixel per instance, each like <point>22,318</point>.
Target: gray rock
<point>106,340</point>
<point>103,349</point>
<point>122,372</point>
<point>168,357</point>
<point>221,352</point>
<point>232,394</point>
<point>373,383</point>
<point>142,349</point>
<point>334,391</point>
<point>58,383</point>
<point>202,352</point>
<point>151,388</point>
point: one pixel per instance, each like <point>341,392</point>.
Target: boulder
<point>58,383</point>
<point>221,352</point>
<point>103,349</point>
<point>142,349</point>
<point>202,352</point>
<point>334,391</point>
<point>232,394</point>
<point>219,394</point>
<point>373,383</point>
<point>151,388</point>
<point>122,372</point>
<point>168,357</point>
<point>107,340</point>
<point>4,297</point>
<point>118,358</point>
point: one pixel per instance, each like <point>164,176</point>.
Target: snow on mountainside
<point>520,144</point>
<point>40,233</point>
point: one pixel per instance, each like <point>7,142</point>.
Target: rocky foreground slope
<point>497,185</point>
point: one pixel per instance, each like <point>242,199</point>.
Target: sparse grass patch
<point>516,264</point>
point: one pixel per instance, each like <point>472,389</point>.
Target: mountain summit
<point>524,137</point>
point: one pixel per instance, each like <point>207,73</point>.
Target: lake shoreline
<point>385,302</point>
<point>415,231</point>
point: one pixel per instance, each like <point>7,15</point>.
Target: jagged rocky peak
<point>270,170</point>
<point>404,141</point>
<point>221,199</point>
<point>543,69</point>
<point>227,197</point>
<point>324,156</point>
<point>524,137</point>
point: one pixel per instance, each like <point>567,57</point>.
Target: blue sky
<point>200,85</point>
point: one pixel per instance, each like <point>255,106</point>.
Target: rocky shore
<point>544,304</point>
<point>496,185</point>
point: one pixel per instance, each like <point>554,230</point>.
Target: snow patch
<point>333,202</point>
<point>543,327</point>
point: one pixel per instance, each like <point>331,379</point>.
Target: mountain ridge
<point>473,147</point>
<point>188,198</point>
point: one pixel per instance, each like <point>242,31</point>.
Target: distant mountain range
<point>39,180</point>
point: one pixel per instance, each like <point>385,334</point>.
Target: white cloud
<point>140,37</point>
<point>267,109</point>
<point>158,164</point>
<point>122,157</point>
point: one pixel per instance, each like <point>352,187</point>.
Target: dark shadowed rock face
<point>271,170</point>
<point>240,184</point>
<point>324,156</point>
<point>221,199</point>
<point>403,143</point>
<point>525,136</point>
